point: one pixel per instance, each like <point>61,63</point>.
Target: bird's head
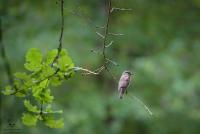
<point>128,73</point>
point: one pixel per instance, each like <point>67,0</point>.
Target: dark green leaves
<point>43,72</point>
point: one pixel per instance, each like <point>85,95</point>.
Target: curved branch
<point>61,30</point>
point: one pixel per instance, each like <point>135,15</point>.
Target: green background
<point>160,45</point>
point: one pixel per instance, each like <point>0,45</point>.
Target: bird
<point>124,83</point>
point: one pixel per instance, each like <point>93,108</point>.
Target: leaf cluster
<point>34,85</point>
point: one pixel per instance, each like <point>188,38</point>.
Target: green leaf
<point>51,56</point>
<point>47,97</point>
<point>22,75</point>
<point>30,107</point>
<point>55,81</point>
<point>37,89</point>
<point>50,111</point>
<point>47,71</point>
<point>20,94</point>
<point>33,60</point>
<point>68,75</point>
<point>29,119</point>
<point>42,94</point>
<point>64,61</point>
<point>50,122</point>
<point>48,108</point>
<point>25,80</point>
<point>8,90</point>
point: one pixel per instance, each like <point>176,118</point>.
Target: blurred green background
<point>161,46</point>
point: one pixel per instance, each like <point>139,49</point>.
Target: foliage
<point>42,73</point>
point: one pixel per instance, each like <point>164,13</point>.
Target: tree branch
<point>106,31</point>
<point>61,30</point>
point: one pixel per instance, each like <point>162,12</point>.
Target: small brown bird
<point>124,83</point>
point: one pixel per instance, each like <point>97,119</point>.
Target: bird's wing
<point>123,84</point>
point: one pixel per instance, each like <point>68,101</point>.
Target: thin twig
<point>116,34</point>
<point>85,70</point>
<point>100,35</point>
<point>113,62</point>
<point>41,108</point>
<point>105,59</point>
<point>61,30</point>
<point>142,103</point>
<point>106,30</point>
<point>120,9</point>
<point>110,44</point>
<point>37,82</point>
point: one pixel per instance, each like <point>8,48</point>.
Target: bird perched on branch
<point>124,83</point>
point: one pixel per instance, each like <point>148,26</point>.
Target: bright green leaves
<point>53,69</point>
<point>64,61</point>
<point>22,75</point>
<point>52,123</point>
<point>33,60</point>
<point>42,93</point>
<point>51,56</point>
<point>30,107</point>
<point>34,114</point>
<point>8,90</point>
<point>55,81</point>
<point>29,119</point>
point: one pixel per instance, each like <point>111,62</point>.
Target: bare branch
<point>85,70</point>
<point>113,62</point>
<point>110,44</point>
<point>106,30</point>
<point>100,35</point>
<point>100,27</point>
<point>97,71</point>
<point>120,9</point>
<point>116,34</point>
<point>61,30</point>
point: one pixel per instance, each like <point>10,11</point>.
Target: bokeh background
<point>160,45</point>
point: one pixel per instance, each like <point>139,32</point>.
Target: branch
<point>120,9</point>
<point>105,36</point>
<point>61,30</point>
<point>116,34</point>
<point>37,82</point>
<point>106,30</point>
<point>58,54</point>
<point>85,70</point>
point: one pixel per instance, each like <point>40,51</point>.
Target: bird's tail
<point>120,95</point>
